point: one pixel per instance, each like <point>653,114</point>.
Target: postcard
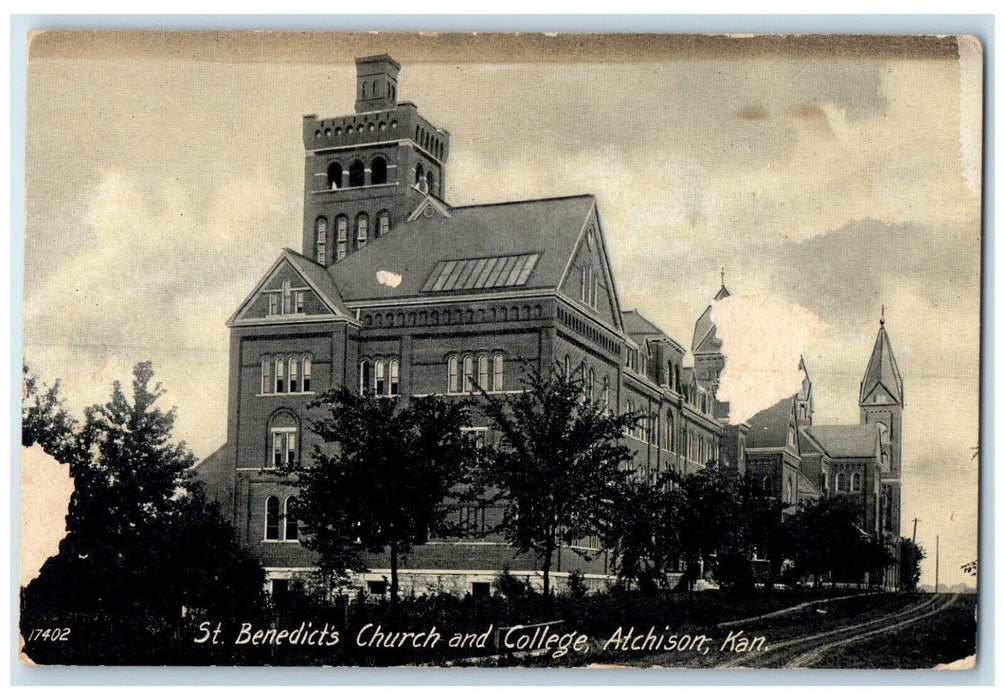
<point>468,350</point>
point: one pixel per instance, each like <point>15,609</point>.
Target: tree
<point>642,536</point>
<point>44,418</point>
<point>382,478</point>
<point>824,538</point>
<point>559,468</point>
<point>709,519</point>
<point>142,545</point>
<point>911,555</point>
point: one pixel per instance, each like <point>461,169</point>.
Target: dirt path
<point>804,650</point>
<point>813,656</point>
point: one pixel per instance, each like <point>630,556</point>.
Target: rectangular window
<point>299,302</point>
<point>307,374</point>
<point>497,373</point>
<point>452,375</point>
<point>294,378</point>
<point>277,450</point>
<point>393,377</point>
<point>483,372</point>
<point>280,376</point>
<point>266,376</point>
<point>291,449</point>
<point>469,373</point>
<point>274,299</point>
<point>379,376</point>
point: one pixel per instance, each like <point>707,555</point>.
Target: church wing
<point>294,289</point>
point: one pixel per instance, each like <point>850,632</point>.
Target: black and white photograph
<point>579,351</point>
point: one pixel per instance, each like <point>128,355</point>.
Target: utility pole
<point>936,563</point>
<point>914,533</point>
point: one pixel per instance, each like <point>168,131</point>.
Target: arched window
<point>357,173</point>
<point>334,176</point>
<point>266,376</point>
<point>383,223</point>
<point>590,377</point>
<point>294,375</point>
<point>483,373</point>
<point>280,375</point>
<point>321,239</point>
<point>378,171</point>
<point>364,376</point>
<point>856,482</point>
<point>342,237</point>
<point>364,88</point>
<point>283,435</point>
<point>823,483</point>
<point>420,176</point>
<point>497,372</point>
<point>668,436</point>
<point>272,518</point>
<point>287,302</point>
<point>431,182</point>
<point>788,490</point>
<point>607,394</point>
<point>568,368</point>
<point>842,482</point>
<point>378,374</point>
<point>362,230</point>
<point>307,372</point>
<point>417,132</point>
<point>292,529</point>
<point>373,90</point>
<point>469,369</point>
<point>453,384</point>
<point>392,376</point>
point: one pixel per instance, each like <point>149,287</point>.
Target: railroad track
<point>809,648</point>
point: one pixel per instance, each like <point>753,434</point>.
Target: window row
<point>380,377</point>
<point>842,482</point>
<point>428,142</point>
<point>286,374</point>
<point>375,90</point>
<point>637,360</point>
<point>281,524</point>
<point>467,373</point>
<point>588,378</point>
<point>361,234</point>
<point>425,180</point>
<point>355,176</point>
<point>286,300</point>
<point>351,129</point>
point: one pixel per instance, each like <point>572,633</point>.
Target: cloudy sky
<point>827,177</point>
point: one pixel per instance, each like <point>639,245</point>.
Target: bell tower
<point>881,402</point>
<point>365,172</point>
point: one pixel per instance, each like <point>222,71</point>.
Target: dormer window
<point>383,223</point>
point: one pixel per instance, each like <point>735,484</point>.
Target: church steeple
<point>723,292</point>
<point>882,383</point>
<point>881,403</point>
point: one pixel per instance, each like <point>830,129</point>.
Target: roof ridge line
<point>524,201</point>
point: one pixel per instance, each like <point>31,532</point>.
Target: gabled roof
<point>722,293</point>
<point>882,370</point>
<point>770,427</point>
<point>549,228</point>
<point>315,275</point>
<point>639,327</point>
<point>703,328</point>
<point>845,441</point>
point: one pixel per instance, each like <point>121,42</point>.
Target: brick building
<point>397,292</point>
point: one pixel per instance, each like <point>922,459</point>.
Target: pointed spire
<point>723,292</point>
<point>882,314</point>
<point>882,370</point>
